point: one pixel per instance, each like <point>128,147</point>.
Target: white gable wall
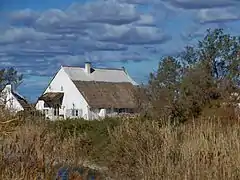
<point>11,102</point>
<point>62,83</point>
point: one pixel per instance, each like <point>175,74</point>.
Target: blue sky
<point>37,37</point>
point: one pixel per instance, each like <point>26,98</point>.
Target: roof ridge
<point>107,82</point>
<point>72,66</point>
<point>108,68</point>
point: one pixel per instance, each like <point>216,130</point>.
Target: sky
<point>38,36</point>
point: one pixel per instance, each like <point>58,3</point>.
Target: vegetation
<point>208,73</point>
<point>10,76</point>
<point>190,130</point>
<point>132,149</point>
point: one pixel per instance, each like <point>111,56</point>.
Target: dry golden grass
<point>33,151</point>
<point>144,150</point>
<point>136,149</point>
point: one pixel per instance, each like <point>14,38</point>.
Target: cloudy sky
<point>38,36</point>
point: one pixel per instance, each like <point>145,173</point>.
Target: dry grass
<point>136,149</point>
<point>144,150</point>
<point>33,151</point>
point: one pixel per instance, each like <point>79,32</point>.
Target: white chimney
<point>88,67</point>
<point>8,87</point>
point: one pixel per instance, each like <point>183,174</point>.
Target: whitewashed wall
<point>62,83</point>
<point>11,103</point>
<point>102,113</point>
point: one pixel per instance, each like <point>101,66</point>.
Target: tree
<point>10,76</point>
<point>164,86</point>
<point>202,74</point>
<point>218,56</point>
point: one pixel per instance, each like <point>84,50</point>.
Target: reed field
<point>138,148</point>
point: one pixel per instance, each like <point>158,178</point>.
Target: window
<point>45,105</point>
<point>109,110</point>
<point>76,112</point>
<point>56,111</point>
<point>61,88</point>
<point>45,111</point>
<point>122,110</point>
<point>72,112</point>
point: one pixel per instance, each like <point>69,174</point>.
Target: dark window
<point>76,112</point>
<point>130,110</point>
<point>45,111</point>
<point>122,110</point>
<point>109,110</point>
<point>56,110</point>
<point>45,105</point>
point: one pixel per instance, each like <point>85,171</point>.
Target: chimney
<point>88,67</point>
<point>8,88</point>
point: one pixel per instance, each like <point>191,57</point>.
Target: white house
<point>88,92</point>
<point>12,100</point>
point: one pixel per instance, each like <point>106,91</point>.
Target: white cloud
<point>217,15</point>
<point>110,11</point>
<point>145,20</point>
<point>201,4</point>
<point>132,35</point>
<point>52,16</point>
<point>16,35</point>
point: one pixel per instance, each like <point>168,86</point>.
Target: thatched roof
<point>52,97</point>
<point>22,101</point>
<point>107,94</point>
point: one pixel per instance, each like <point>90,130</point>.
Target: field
<point>120,149</point>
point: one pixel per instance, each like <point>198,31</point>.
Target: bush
<point>95,133</point>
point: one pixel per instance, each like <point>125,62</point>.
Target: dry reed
<point>145,150</point>
<point>34,151</point>
<point>136,149</point>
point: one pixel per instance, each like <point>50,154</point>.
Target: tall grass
<point>146,150</point>
<point>123,149</point>
<point>36,150</point>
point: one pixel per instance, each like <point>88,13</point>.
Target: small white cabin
<point>89,93</point>
<point>12,100</point>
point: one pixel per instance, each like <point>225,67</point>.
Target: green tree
<point>164,86</point>
<point>10,76</point>
<point>202,74</point>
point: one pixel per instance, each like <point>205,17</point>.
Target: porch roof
<point>52,97</point>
